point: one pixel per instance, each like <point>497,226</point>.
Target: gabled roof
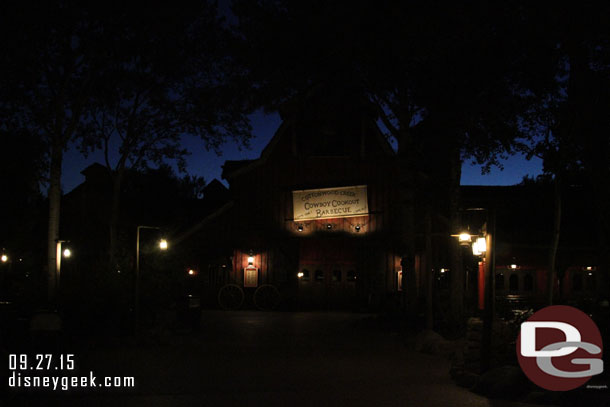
<point>95,170</point>
<point>231,166</point>
<point>289,113</point>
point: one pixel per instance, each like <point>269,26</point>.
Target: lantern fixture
<point>479,246</point>
<point>464,238</point>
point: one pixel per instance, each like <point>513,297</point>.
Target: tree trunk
<point>407,224</point>
<point>555,238</point>
<point>455,253</point>
<point>428,270</point>
<point>54,196</point>
<point>117,181</point>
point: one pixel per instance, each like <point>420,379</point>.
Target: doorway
<point>327,285</point>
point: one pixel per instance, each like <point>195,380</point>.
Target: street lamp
<point>59,254</point>
<point>464,238</point>
<point>485,247</point>
<point>479,246</point>
<point>163,246</point>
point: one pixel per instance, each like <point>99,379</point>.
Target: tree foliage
<point>141,74</point>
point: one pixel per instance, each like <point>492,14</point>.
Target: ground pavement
<point>249,358</point>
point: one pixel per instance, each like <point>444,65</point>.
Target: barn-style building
<point>315,223</point>
<point>314,215</point>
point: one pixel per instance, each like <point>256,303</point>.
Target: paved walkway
<point>272,359</point>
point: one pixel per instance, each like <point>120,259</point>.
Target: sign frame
<point>251,276</point>
<point>330,203</point>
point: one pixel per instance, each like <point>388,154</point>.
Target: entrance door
<point>327,285</point>
<point>329,273</point>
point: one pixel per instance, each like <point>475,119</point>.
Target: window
<point>351,275</point>
<point>336,276</point>
<point>513,282</point>
<point>319,276</point>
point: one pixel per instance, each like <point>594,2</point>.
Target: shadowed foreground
<point>268,359</point>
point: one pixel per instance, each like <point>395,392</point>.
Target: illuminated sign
<point>250,276</point>
<point>328,203</point>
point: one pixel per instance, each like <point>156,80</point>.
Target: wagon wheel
<point>230,296</point>
<point>266,297</point>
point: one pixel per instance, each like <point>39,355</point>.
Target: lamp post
<point>59,254</point>
<point>162,246</point>
<point>4,260</point>
<point>485,246</point>
<point>490,290</point>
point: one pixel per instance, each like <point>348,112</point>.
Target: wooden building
<point>315,222</point>
<point>314,215</point>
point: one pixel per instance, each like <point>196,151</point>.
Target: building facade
<point>313,216</point>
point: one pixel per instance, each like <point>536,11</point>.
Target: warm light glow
<point>67,253</point>
<point>300,228</point>
<point>300,274</point>
<point>513,266</point>
<point>482,244</point>
<point>191,272</point>
<point>4,258</point>
<point>250,259</point>
<point>443,271</point>
<point>479,246</point>
<point>163,244</point>
<point>589,268</point>
<point>464,237</point>
<point>476,250</point>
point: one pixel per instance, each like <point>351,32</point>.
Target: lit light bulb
<point>464,237</point>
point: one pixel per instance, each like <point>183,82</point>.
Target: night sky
<point>208,165</point>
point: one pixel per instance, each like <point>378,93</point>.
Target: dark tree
<point>569,78</point>
<point>168,75</point>
<point>48,64</point>
<point>132,74</point>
